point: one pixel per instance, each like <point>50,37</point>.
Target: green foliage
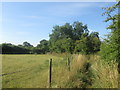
<point>61,39</point>
<point>26,44</point>
<point>95,42</point>
<point>74,38</point>
<point>110,49</point>
<point>78,30</point>
<point>8,48</point>
<point>82,45</point>
<point>43,46</point>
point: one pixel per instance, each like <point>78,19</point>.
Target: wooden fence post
<point>50,73</point>
<point>68,64</point>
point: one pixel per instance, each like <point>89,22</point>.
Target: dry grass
<point>63,78</point>
<point>78,62</point>
<point>106,75</point>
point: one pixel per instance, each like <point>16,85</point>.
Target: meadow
<point>32,71</point>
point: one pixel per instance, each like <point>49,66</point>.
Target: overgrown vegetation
<point>104,75</point>
<point>110,49</point>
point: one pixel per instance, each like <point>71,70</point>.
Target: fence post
<point>68,64</point>
<point>50,72</point>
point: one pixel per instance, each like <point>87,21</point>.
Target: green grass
<point>34,70</point>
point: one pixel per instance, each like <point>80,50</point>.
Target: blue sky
<point>32,22</point>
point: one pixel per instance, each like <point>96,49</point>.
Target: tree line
<point>70,38</point>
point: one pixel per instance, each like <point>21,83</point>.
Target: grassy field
<point>31,71</point>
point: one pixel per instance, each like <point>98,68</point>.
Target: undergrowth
<point>91,72</point>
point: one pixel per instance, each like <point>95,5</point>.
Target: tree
<point>81,46</point>
<point>67,45</point>
<point>43,46</point>
<point>13,49</point>
<point>110,49</point>
<point>73,38</point>
<point>60,36</point>
<point>88,43</point>
<point>78,30</point>
<point>94,42</point>
<point>26,44</point>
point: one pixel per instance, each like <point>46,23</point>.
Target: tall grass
<point>89,71</point>
<point>105,74</point>
<point>63,78</point>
